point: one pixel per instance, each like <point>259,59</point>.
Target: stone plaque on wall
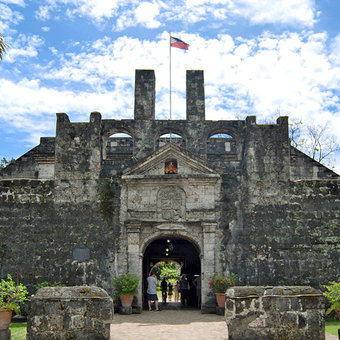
<point>81,254</point>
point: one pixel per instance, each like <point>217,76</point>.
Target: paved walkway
<point>172,323</point>
<point>168,325</point>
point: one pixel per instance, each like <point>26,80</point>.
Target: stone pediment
<point>180,162</point>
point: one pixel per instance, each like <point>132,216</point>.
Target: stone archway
<point>173,248</point>
<point>202,236</point>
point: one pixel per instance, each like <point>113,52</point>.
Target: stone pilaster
<point>134,256</point>
<point>208,264</point>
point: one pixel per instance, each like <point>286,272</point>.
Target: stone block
<point>288,313</point>
<point>282,304</point>
<point>5,334</point>
<point>289,319</point>
<point>230,304</point>
<point>302,322</point>
<point>66,313</point>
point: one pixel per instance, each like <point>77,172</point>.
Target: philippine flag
<point>174,42</point>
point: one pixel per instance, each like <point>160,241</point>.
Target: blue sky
<point>260,57</point>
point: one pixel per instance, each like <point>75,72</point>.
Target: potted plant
<point>333,296</point>
<point>11,295</point>
<point>219,285</point>
<point>125,287</point>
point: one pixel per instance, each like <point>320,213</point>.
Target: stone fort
<point>109,197</point>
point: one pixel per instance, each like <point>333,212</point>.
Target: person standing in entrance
<point>170,291</point>
<point>197,283</point>
<point>184,288</point>
<point>164,287</point>
<point>176,289</point>
<point>152,291</point>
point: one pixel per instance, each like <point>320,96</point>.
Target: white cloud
<point>97,9</point>
<point>105,60</point>
<point>335,49</point>
<point>301,12</point>
<point>152,14</point>
<point>146,13</point>
<point>43,12</point>
<point>29,102</point>
<point>23,46</point>
<point>14,2</point>
<point>289,71</point>
<point>8,17</point>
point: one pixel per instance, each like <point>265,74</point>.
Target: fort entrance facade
<point>232,196</point>
<point>180,206</point>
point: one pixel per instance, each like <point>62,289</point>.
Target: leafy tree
<point>171,272</point>
<point>168,270</point>
<point>3,46</point>
<point>319,144</point>
<point>4,162</point>
<point>296,139</point>
<point>157,269</point>
<point>314,140</point>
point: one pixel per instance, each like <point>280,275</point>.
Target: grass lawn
<point>18,330</point>
<point>332,327</point>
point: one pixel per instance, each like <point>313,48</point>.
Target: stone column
<point>134,258</point>
<point>145,95</point>
<point>208,265</point>
<point>195,95</point>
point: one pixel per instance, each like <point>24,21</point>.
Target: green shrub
<point>125,284</point>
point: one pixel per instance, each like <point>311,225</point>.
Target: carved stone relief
<point>171,203</point>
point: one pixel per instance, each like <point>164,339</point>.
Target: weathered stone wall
<point>304,167</point>
<point>36,163</point>
<point>78,156</point>
<point>290,313</point>
<point>41,240</point>
<point>295,241</point>
<point>80,313</point>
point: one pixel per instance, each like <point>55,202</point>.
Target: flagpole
<point>170,81</point>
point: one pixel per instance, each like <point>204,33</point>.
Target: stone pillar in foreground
<point>63,313</point>
<point>5,334</point>
<point>287,312</point>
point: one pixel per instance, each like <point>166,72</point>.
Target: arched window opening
<point>221,135</point>
<point>221,143</point>
<point>119,145</point>
<point>170,138</point>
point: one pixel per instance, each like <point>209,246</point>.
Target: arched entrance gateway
<point>171,248</point>
<point>173,196</point>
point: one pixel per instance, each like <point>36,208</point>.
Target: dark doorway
<point>182,251</point>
